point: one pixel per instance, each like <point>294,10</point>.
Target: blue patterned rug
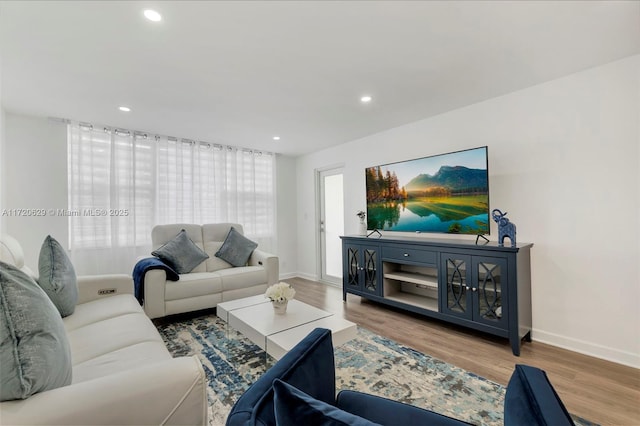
<point>369,363</point>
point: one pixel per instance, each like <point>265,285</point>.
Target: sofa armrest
<point>388,412</point>
<point>92,287</point>
<point>532,400</point>
<point>172,392</point>
<point>155,282</point>
<point>270,262</point>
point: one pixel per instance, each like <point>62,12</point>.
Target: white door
<point>331,225</point>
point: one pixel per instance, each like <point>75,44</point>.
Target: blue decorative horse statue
<point>505,227</point>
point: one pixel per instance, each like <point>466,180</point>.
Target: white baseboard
<point>312,277</point>
<point>288,275</point>
<point>301,275</point>
<point>332,284</point>
<point>587,348</point>
<point>317,279</point>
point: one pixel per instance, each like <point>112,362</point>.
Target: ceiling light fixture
<point>124,109</point>
<point>152,15</point>
<point>366,99</point>
<point>276,138</point>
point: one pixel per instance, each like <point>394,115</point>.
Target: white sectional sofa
<point>122,373</point>
<point>211,282</point>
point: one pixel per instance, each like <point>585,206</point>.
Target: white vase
<point>280,307</point>
<point>362,228</point>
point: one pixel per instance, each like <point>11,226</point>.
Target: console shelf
<point>414,300</point>
<point>485,287</point>
<point>414,278</point>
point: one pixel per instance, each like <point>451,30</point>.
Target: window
<point>122,183</point>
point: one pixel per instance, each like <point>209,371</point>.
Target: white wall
<point>286,215</point>
<point>35,169</point>
<point>35,173</point>
<point>563,161</point>
<point>2,178</point>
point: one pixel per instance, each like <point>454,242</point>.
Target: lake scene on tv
<point>446,193</point>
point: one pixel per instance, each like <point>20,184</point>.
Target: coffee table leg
<point>266,347</point>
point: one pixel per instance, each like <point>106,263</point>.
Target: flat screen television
<point>447,193</point>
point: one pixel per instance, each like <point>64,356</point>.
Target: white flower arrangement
<point>280,292</point>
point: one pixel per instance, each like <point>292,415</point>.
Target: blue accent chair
<point>301,386</point>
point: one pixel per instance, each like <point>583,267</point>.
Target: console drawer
<point>404,254</point>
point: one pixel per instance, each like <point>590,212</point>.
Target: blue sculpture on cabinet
<point>505,227</point>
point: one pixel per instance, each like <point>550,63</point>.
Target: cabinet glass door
<point>457,291</point>
<point>353,268</point>
<point>361,269</point>
<point>370,271</point>
<point>491,291</point>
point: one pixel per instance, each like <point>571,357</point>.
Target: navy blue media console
<point>486,287</point>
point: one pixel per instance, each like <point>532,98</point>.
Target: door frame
<point>339,169</point>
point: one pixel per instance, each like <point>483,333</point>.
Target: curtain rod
<point>126,132</point>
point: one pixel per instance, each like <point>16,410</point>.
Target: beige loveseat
<point>122,373</point>
<point>211,282</point>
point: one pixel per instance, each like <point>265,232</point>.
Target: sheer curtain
<point>122,183</point>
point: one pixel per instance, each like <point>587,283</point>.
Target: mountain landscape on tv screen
<point>455,179</point>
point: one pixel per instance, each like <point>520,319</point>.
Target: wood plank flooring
<point>597,390</point>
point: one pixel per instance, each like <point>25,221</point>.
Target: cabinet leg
<point>515,347</point>
<point>527,337</point>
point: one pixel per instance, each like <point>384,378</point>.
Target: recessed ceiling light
<point>152,15</point>
<point>124,109</point>
<point>366,99</point>
<point>276,138</point>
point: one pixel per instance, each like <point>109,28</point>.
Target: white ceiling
<point>240,72</point>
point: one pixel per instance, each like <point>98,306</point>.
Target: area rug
<point>370,363</point>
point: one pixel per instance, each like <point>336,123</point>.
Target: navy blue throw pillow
<point>292,406</point>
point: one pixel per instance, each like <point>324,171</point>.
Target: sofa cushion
<point>389,412</point>
<point>129,357</point>
<point>57,276</point>
<point>101,309</point>
<point>181,253</point>
<point>11,253</point>
<point>193,285</point>
<point>531,400</point>
<point>219,231</point>
<point>292,406</point>
<point>242,277</point>
<point>236,248</point>
<point>99,338</point>
<point>34,351</point>
<point>214,263</point>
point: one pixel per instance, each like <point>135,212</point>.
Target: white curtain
<point>122,183</point>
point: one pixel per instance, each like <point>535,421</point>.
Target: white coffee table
<point>254,318</point>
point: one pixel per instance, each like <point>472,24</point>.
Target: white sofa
<point>122,372</point>
<point>211,282</point>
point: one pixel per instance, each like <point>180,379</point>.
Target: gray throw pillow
<point>34,350</point>
<point>57,276</point>
<point>236,248</point>
<point>181,254</point>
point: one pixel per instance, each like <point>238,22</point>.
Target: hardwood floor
<point>597,390</point>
